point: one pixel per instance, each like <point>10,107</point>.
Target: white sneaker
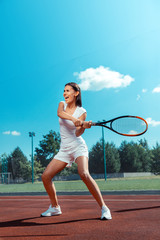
<point>52,211</point>
<point>106,214</point>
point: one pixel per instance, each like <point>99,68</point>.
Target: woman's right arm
<point>62,114</point>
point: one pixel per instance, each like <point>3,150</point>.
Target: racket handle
<point>93,124</point>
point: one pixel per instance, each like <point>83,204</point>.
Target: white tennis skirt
<point>69,154</point>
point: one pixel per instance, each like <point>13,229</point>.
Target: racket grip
<point>93,124</point>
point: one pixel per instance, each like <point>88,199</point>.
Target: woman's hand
<point>87,124</point>
<point>78,122</point>
<point>80,129</point>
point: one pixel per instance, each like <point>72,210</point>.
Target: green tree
<point>96,161</point>
<point>18,165</point>
<point>112,158</point>
<point>4,167</point>
<point>143,143</point>
<point>134,157</point>
<point>38,169</point>
<point>48,147</point>
<point>4,163</point>
<point>145,155</point>
<point>96,158</point>
<point>156,159</point>
<point>128,157</point>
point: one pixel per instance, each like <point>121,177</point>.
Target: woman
<point>73,149</point>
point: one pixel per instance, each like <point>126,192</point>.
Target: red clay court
<point>134,217</point>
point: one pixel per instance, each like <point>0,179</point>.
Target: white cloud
<point>96,79</point>
<point>14,133</point>
<point>152,122</point>
<point>144,90</point>
<point>132,132</point>
<point>156,90</point>
<point>6,132</point>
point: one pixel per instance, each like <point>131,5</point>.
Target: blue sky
<point>110,48</point>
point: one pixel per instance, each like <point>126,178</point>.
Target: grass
<point>117,184</point>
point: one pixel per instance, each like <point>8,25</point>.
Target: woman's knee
<point>84,175</point>
<point>46,177</point>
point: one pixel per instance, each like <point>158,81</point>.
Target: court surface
<point>134,217</point>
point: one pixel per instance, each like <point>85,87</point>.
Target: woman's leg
<point>52,169</point>
<point>92,186</point>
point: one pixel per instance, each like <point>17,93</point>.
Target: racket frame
<point>103,124</point>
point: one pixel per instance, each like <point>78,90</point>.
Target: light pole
<point>104,155</point>
<point>32,134</point>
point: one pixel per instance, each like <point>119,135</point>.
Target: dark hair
<point>77,89</point>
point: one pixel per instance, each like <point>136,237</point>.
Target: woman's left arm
<point>80,130</point>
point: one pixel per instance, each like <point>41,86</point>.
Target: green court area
<point>116,184</point>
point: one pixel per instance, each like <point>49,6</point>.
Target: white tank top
<point>67,129</point>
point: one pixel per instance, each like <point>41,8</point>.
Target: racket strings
<point>129,126</point>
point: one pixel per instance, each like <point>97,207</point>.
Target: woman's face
<point>70,94</point>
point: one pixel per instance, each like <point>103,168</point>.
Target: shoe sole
<point>106,218</point>
<point>52,215</point>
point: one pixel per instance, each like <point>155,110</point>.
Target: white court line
<point>83,200</point>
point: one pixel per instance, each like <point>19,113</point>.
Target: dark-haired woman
<point>73,149</point>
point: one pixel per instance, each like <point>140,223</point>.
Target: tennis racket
<point>130,126</point>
